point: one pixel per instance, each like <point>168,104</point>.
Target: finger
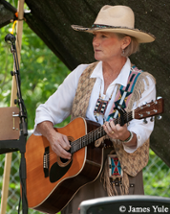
<point>65,154</point>
<point>112,127</point>
<point>66,143</point>
<point>63,141</point>
<point>62,152</point>
<point>108,129</point>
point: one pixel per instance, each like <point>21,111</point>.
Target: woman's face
<point>106,46</point>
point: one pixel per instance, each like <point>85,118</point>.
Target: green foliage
<point>41,72</point>
<point>156,177</point>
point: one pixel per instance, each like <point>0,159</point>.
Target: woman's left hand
<point>116,131</point>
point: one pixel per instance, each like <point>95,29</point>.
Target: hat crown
<point>116,16</point>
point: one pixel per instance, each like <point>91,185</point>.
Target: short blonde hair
<point>132,48</point>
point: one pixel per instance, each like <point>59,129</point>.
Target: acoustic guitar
<point>53,181</point>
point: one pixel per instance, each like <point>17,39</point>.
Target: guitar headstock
<point>150,109</point>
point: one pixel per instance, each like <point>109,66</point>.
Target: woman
<point>96,91</point>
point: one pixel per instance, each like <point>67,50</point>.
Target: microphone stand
<point>20,101</point>
<point>14,145</point>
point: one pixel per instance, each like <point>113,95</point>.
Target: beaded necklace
<point>101,105</point>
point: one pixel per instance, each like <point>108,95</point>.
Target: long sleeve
<point>58,106</point>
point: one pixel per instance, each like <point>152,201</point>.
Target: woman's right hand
<point>59,142</point>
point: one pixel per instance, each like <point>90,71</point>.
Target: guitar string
<point>87,137</point>
<point>93,135</point>
<point>126,115</point>
<point>97,130</point>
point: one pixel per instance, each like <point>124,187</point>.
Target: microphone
<point>9,38</point>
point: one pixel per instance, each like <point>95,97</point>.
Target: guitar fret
<point>100,132</point>
<point>96,134</point>
<point>86,141</point>
<point>91,136</point>
<point>83,141</point>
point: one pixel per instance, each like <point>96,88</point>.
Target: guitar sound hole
<point>63,160</point>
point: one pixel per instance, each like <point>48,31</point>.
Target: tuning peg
<point>159,98</point>
<point>152,119</point>
<point>145,121</point>
<point>143,104</point>
<point>159,117</point>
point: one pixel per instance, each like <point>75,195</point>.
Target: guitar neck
<point>98,133</point>
<point>148,110</point>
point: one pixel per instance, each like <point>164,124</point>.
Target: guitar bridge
<point>46,162</point>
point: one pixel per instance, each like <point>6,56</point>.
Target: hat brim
<point>141,36</point>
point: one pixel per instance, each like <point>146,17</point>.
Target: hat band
<point>108,26</point>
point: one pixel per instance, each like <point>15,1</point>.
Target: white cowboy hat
<point>117,19</point>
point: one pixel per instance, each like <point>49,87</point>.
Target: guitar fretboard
<point>97,133</point>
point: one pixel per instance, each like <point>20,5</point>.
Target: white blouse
<point>59,105</point>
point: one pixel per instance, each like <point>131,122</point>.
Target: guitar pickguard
<point>57,171</point>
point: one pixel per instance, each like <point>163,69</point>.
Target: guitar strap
<point>125,92</point>
<point>113,172</point>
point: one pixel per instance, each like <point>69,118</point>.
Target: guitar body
<point>52,182</point>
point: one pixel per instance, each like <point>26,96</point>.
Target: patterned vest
<point>131,163</point>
